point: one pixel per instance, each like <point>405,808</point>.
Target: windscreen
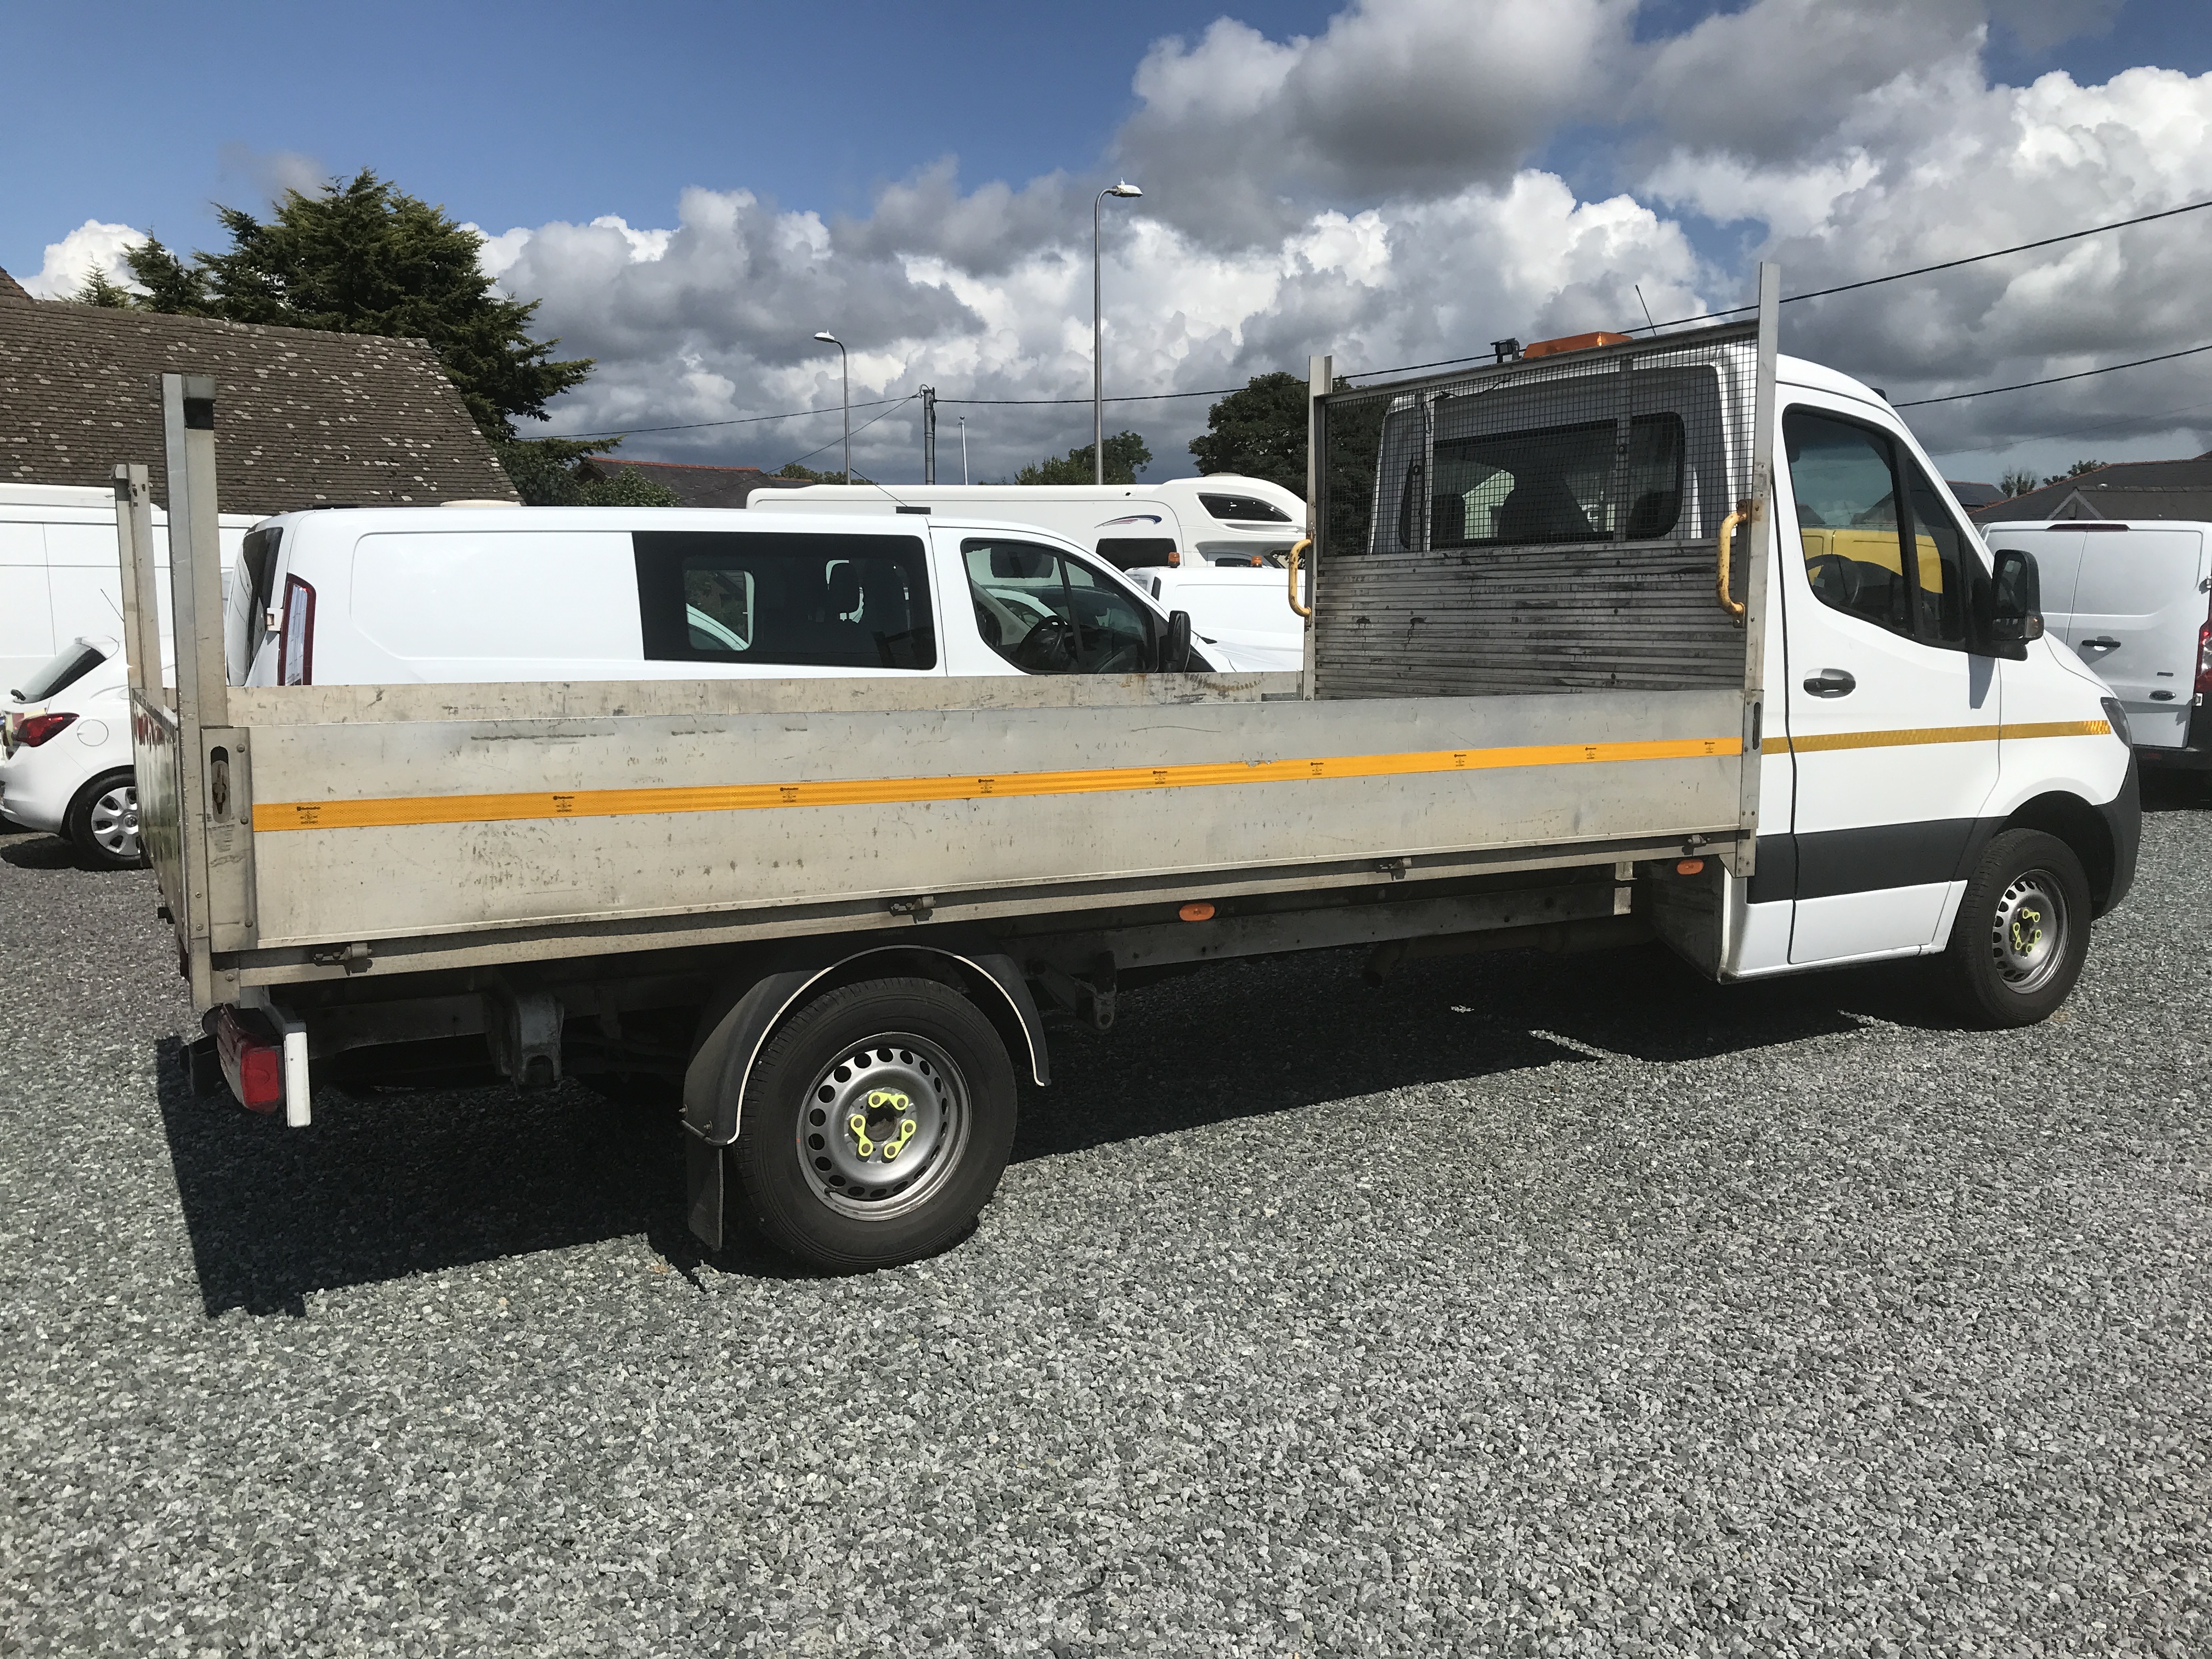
<point>1555,484</point>
<point>64,669</point>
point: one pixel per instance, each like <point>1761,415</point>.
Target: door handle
<point>2107,643</point>
<point>1832,682</point>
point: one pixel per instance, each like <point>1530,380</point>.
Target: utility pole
<point>929,434</point>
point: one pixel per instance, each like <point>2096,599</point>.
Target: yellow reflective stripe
<point>1912,737</point>
<point>880,792</point>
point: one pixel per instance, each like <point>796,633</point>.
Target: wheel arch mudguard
<point>739,1023</point>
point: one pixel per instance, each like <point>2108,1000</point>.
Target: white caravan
<point>1213,546</point>
<point>2129,597</point>
<point>58,578</point>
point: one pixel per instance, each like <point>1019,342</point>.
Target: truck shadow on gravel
<point>1275,1036</point>
<point>387,1184</point>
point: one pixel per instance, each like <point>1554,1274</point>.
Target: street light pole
<point>845,368</point>
<point>1098,331</point>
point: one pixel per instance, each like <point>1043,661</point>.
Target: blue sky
<point>1295,218</point>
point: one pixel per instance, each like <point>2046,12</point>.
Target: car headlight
<point>2118,717</point>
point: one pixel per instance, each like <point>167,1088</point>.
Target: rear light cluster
<point>2204,660</point>
<point>35,729</point>
<point>295,644</point>
<point>253,1057</point>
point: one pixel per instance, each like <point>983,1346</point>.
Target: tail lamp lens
<point>2204,660</point>
<point>295,646</point>
<point>37,728</point>
<point>252,1058</point>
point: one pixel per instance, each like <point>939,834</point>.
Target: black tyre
<point>2022,931</point>
<point>875,1125</point>
<point>103,821</point>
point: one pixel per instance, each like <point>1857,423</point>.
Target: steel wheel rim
<point>859,1156</point>
<point>2027,936</point>
<point>113,821</point>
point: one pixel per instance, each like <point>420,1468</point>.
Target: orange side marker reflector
<point>1690,867</point>
<point>1196,913</point>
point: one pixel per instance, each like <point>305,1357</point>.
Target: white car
<point>65,760</point>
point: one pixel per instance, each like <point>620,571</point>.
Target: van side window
<point>1049,614</point>
<point>825,601</point>
<point>1842,477</point>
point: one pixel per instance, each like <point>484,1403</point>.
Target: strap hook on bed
<point>1298,547</point>
<point>1733,607</point>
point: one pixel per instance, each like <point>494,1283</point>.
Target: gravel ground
<point>1529,1306</point>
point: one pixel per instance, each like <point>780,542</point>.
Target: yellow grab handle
<point>1302,542</point>
<point>1733,607</point>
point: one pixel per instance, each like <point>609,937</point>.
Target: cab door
<point>1893,726</point>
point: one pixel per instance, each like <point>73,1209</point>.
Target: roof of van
<point>369,520</point>
<point>1230,482</point>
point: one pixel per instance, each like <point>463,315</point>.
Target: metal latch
<point>919,908</point>
<point>1394,868</point>
<point>353,958</point>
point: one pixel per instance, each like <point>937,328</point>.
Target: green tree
<point>1126,455</point>
<point>97,290</point>
<point>2019,482</point>
<point>545,471</point>
<point>2074,472</point>
<point>797,470</point>
<point>359,257</point>
<point>1258,433</point>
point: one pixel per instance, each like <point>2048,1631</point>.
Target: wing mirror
<point>1174,645</point>
<point>2015,604</point>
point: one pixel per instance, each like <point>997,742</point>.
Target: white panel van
<point>2131,597</point>
<point>58,576</point>
<point>442,596</point>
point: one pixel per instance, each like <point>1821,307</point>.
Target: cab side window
<point>1862,500</point>
<point>1845,482</point>
<point>1049,614</point>
<point>1945,563</point>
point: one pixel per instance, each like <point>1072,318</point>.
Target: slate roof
<point>302,417</point>
<point>2126,490</point>
<point>694,486</point>
<point>1971,495</point>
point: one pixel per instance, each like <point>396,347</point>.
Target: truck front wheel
<point>875,1125</point>
<point>2022,931</point>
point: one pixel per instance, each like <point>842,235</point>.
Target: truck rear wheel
<point>2022,931</point>
<point>875,1125</point>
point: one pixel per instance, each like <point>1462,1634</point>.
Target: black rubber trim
<point>1834,862</point>
<point>2123,816</point>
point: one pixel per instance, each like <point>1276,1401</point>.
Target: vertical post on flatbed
<point>196,601</point>
<point>1760,543</point>
<point>929,434</point>
<point>141,602</point>
<point>1321,380</point>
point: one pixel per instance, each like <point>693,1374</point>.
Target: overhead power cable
<point>1869,282</point>
<point>2053,380</point>
<point>863,427</point>
<point>741,420</point>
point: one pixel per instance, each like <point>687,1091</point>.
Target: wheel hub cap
<point>2028,934</point>
<point>882,1125</point>
<point>114,822</point>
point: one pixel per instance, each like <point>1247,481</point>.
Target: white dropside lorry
<point>1665,638</point>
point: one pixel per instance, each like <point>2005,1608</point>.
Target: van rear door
<point>2137,608</point>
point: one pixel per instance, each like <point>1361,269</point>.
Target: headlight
<point>2118,717</point>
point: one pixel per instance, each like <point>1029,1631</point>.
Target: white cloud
<point>92,246</point>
